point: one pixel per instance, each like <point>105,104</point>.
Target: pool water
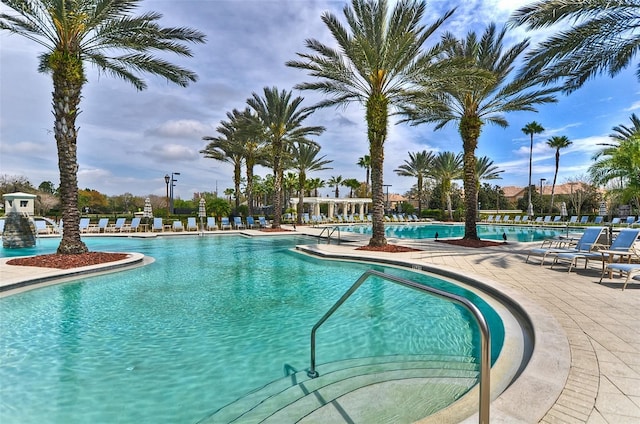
<point>521,233</point>
<point>212,319</point>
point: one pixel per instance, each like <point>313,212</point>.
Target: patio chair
<point>84,225</point>
<point>525,219</point>
<point>598,220</point>
<point>584,220</point>
<point>41,227</point>
<point>192,225</point>
<point>547,219</point>
<point>177,226</point>
<point>133,226</point>
<point>586,241</point>
<point>557,219</point>
<point>517,219</point>
<point>157,225</point>
<point>237,223</point>
<point>631,271</point>
<point>224,223</point>
<point>538,220</point>
<point>250,222</point>
<point>573,220</point>
<point>622,245</point>
<point>489,219</point>
<point>117,227</point>
<point>211,223</point>
<point>263,221</point>
<point>615,221</point>
<point>630,220</point>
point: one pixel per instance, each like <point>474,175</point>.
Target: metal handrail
<point>330,231</point>
<point>485,339</point>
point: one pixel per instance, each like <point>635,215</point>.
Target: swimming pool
<point>521,233</point>
<point>210,320</point>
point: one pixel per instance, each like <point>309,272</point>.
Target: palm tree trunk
<point>237,171</point>
<point>470,127</point>
<point>277,185</point>
<point>302,177</point>
<point>555,176</point>
<point>250,186</point>
<point>377,115</point>
<point>68,78</point>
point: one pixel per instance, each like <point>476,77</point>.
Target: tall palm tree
<point>304,160</point>
<point>352,184</point>
<point>486,171</point>
<point>377,61</point>
<point>472,102</point>
<point>598,37</point>
<point>447,167</point>
<point>282,118</point>
<point>227,147</point>
<point>313,184</point>
<point>418,166</point>
<point>365,162</point>
<point>250,135</point>
<point>557,142</point>
<point>531,129</point>
<point>73,33</point>
<point>336,182</point>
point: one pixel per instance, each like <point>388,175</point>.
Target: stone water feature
<point>19,229</point>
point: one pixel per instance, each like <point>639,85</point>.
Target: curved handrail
<point>485,339</point>
<point>330,231</point>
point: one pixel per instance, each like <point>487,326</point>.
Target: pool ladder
<point>485,339</point>
<point>329,232</point>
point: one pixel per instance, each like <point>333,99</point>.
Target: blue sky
<point>128,140</point>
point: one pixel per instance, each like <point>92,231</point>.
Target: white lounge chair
<point>177,226</point>
<point>622,245</point>
<point>224,223</point>
<point>192,225</point>
<point>631,271</point>
<point>237,223</point>
<point>157,225</point>
<point>587,240</point>
<point>211,223</point>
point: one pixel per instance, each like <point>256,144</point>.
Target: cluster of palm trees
<point>442,169</point>
<point>381,63</point>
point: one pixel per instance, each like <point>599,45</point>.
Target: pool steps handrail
<point>330,231</point>
<point>485,335</point>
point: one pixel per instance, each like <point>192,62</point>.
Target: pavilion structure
<point>346,205</point>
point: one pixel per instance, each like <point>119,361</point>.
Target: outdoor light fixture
<point>166,180</point>
<point>172,181</point>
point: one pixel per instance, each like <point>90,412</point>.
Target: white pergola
<point>348,205</point>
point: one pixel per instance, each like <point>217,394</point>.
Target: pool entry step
<point>364,390</point>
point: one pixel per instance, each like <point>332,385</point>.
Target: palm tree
<point>377,61</point>
<point>305,159</point>
<point>281,117</point>
<point>352,184</point>
<point>227,148</point>
<point>557,142</point>
<point>250,136</point>
<point>92,31</point>
<point>485,171</point>
<point>365,162</point>
<point>472,102</point>
<point>447,167</point>
<point>336,182</point>
<point>418,166</point>
<point>313,184</point>
<point>601,38</point>
<point>531,129</point>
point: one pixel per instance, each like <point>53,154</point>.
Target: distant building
<point>514,193</point>
<point>22,203</point>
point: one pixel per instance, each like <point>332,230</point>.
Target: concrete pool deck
<point>603,380</point>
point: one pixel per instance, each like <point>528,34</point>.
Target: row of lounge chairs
<point>590,246</point>
<point>158,225</point>
<point>630,221</point>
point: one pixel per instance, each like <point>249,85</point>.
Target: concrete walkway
<point>603,382</point>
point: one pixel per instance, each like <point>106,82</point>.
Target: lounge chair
<point>621,245</point>
<point>157,225</point>
<point>517,219</point>
<point>177,226</point>
<point>615,221</point>
<point>525,219</point>
<point>252,223</point>
<point>573,219</point>
<point>192,225</point>
<point>224,223</point>
<point>237,223</point>
<point>117,227</point>
<point>584,220</point>
<point>547,219</point>
<point>598,220</point>
<point>135,224</point>
<point>631,271</point>
<point>263,221</point>
<point>41,227</point>
<point>211,223</point>
<point>489,219</point>
<point>630,220</point>
<point>557,219</point>
<point>586,241</point>
<point>84,225</point>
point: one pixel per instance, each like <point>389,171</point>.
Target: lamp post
<point>542,180</point>
<point>173,180</point>
<point>387,202</point>
<point>166,180</point>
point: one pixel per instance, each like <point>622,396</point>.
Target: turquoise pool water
<point>212,319</point>
<point>521,233</point>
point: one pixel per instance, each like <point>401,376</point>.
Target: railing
<point>485,339</point>
<point>329,231</point>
